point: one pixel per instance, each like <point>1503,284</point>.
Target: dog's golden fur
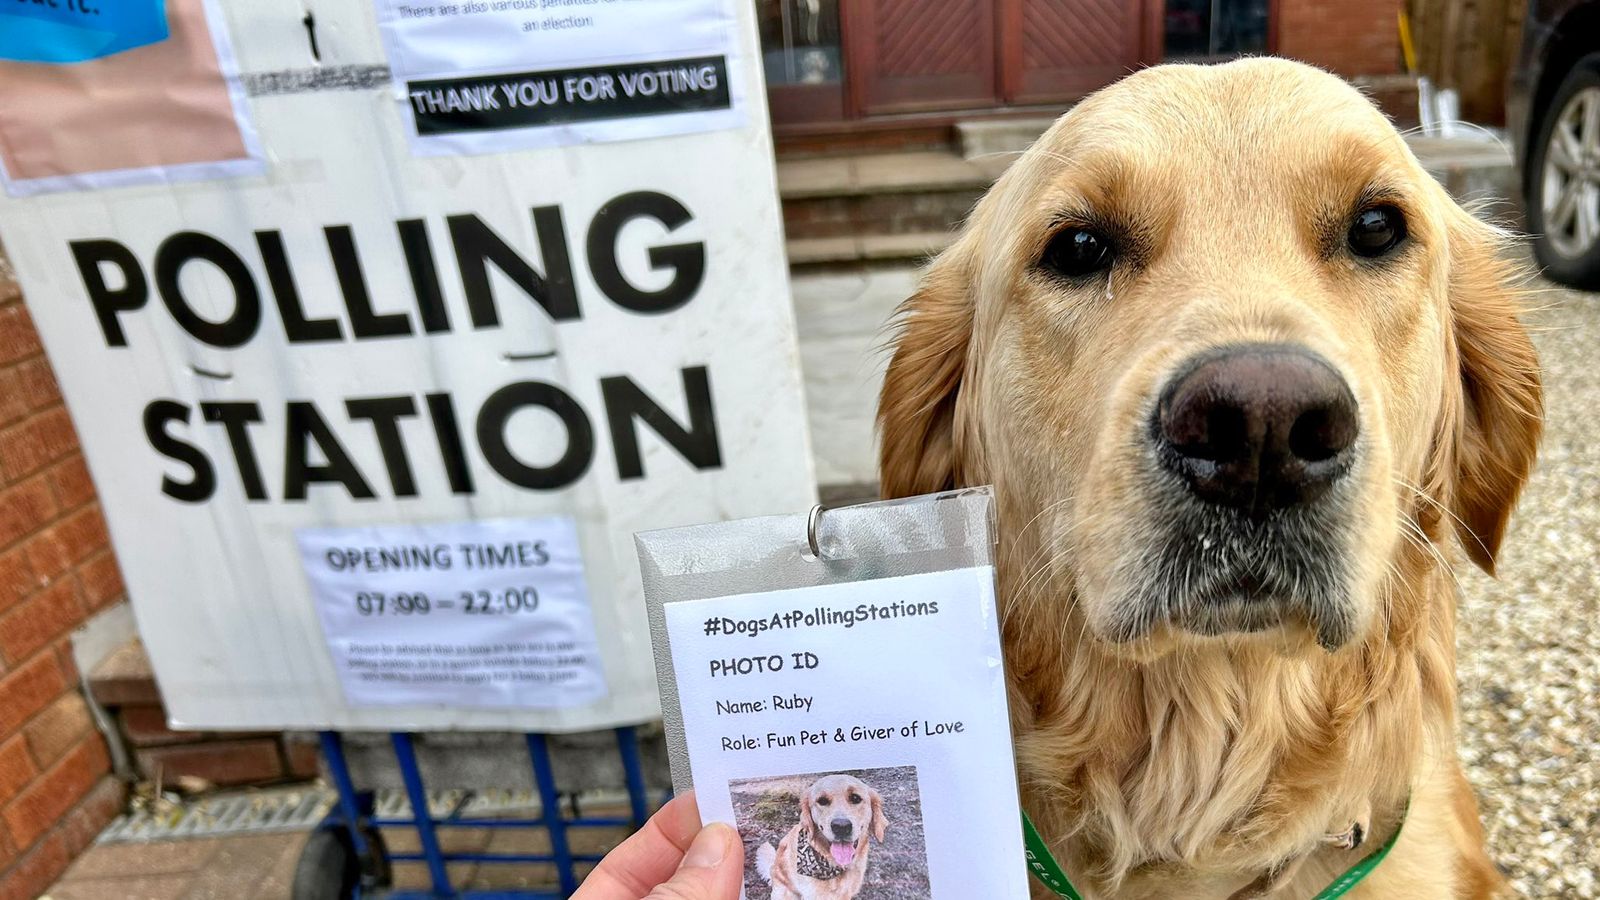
<point>1183,766</point>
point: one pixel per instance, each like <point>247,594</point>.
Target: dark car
<point>1553,114</point>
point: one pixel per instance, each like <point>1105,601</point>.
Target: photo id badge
<point>832,686</point>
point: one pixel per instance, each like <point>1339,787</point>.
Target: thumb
<point>712,869</point>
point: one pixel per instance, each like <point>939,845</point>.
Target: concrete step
<point>883,173</point>
<point>999,138</point>
<point>912,246</point>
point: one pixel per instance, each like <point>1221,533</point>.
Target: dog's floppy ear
<point>1494,417</point>
<point>917,407</point>
<point>880,823</point>
<point>808,825</point>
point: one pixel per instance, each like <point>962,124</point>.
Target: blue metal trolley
<point>348,858</point>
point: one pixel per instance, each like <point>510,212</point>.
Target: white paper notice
<point>486,77</point>
<point>473,614</point>
<point>888,693</point>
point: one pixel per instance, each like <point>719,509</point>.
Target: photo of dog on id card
<point>833,835</point>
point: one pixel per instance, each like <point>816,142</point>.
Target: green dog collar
<point>1042,863</point>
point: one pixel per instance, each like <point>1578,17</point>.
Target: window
<point>1215,28</point>
<point>800,41</point>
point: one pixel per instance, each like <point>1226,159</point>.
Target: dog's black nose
<point>842,829</point>
<point>1257,427</point>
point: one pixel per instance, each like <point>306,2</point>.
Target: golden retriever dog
<point>824,856</point>
<point>1240,372</point>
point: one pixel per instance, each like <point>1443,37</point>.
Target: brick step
<point>125,686</point>
<point>878,206</point>
<point>878,214</point>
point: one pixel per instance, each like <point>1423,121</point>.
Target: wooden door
<point>911,55</point>
<point>1059,50</point>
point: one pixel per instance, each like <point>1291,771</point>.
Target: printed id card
<point>845,708</point>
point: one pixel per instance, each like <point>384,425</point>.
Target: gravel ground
<point>1530,642</point>
<point>766,808</point>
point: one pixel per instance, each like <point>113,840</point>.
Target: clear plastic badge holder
<point>852,651</point>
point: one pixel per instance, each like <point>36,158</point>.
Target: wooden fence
<point>1470,46</point>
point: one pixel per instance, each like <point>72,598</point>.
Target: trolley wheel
<point>330,869</point>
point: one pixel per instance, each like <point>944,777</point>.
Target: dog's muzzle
<point>1252,449</point>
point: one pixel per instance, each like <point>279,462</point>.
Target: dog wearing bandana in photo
<point>824,856</point>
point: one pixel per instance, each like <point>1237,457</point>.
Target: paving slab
<point>158,858</point>
<point>243,864</point>
<point>133,887</point>
<point>278,882</point>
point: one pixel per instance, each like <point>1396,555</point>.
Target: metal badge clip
<point>812,521</point>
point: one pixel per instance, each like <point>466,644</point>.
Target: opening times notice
<point>478,614</point>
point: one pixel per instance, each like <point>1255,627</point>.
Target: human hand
<point>671,858</point>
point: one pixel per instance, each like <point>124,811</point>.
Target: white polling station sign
<point>367,349</point>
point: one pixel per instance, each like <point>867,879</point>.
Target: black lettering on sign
<point>424,275</point>
<point>296,327</point>
<point>445,427</point>
<point>476,245</point>
<point>203,479</point>
<point>236,419</point>
<point>626,401</point>
<point>385,413</point>
<point>353,285</point>
<point>116,284</point>
<point>687,261</point>
<point>189,246</point>
<point>305,425</point>
<point>495,414</point>
<point>91,256</point>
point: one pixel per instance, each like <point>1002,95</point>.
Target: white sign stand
<point>367,338</point>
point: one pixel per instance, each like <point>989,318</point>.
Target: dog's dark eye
<point>1376,231</point>
<point>824,801</point>
<point>855,798</point>
<point>1076,253</point>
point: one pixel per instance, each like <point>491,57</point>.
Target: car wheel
<point>1564,180</point>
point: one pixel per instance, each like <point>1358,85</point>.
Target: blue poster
<point>72,31</point>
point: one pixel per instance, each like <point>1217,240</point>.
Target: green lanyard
<point>1042,863</point>
<point>1044,867</point>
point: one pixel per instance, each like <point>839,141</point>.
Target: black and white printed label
<point>470,614</point>
<point>489,76</point>
<point>563,96</point>
<point>866,722</point>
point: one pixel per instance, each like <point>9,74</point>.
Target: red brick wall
<point>1350,37</point>
<point>56,569</point>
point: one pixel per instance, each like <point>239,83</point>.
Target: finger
<point>712,868</point>
<point>647,858</point>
